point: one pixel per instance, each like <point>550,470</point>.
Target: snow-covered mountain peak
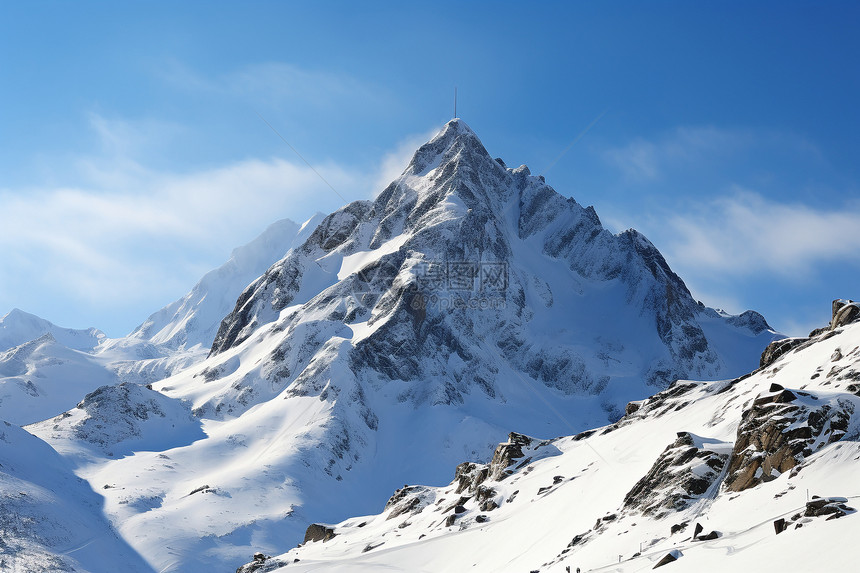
<point>392,339</point>
<point>455,142</point>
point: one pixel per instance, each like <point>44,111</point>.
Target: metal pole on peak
<point>455,102</point>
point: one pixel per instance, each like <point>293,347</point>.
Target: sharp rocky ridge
<point>395,338</point>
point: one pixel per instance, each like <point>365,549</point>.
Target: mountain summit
<point>403,335</point>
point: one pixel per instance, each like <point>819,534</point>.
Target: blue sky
<point>133,159</point>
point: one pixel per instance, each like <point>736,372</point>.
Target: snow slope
<point>622,497</point>
<point>43,378</point>
<point>50,519</point>
<point>400,337</point>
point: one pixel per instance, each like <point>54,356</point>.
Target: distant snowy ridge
<point>18,327</point>
<point>194,319</point>
<point>46,369</point>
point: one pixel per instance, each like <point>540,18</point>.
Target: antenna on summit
<point>455,102</point>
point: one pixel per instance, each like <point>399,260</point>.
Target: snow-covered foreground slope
<point>399,337</point>
<point>50,519</point>
<point>46,369</point>
<point>734,456</point>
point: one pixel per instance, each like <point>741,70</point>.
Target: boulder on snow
<point>833,507</point>
<point>697,530</point>
<point>668,558</point>
<point>709,536</point>
<point>678,527</point>
<point>779,525</point>
<point>319,532</point>
<point>632,407</point>
<point>261,564</point>
<point>827,507</point>
<point>844,312</point>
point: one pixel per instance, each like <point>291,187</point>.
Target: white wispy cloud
<point>129,235</point>
<point>694,148</point>
<point>278,84</point>
<point>745,233</point>
<point>87,237</point>
<point>395,161</point>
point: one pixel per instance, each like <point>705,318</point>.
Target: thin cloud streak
<point>746,234</point>
<point>395,162</point>
<point>128,236</point>
<point>694,148</point>
<point>278,84</point>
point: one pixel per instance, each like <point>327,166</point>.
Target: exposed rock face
<point>668,558</point>
<point>509,452</point>
<point>683,473</point>
<point>262,564</point>
<point>777,348</point>
<point>319,532</point>
<point>844,312</point>
<point>409,500</point>
<point>473,486</point>
<point>826,507</point>
<point>780,429</point>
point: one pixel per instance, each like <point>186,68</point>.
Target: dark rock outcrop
<point>832,507</point>
<point>408,499</point>
<point>779,347</point>
<point>507,453</point>
<point>779,430</point>
<point>708,536</point>
<point>844,312</point>
<point>779,525</point>
<point>319,532</point>
<point>682,474</point>
<point>668,558</point>
<point>826,507</point>
<point>261,564</point>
